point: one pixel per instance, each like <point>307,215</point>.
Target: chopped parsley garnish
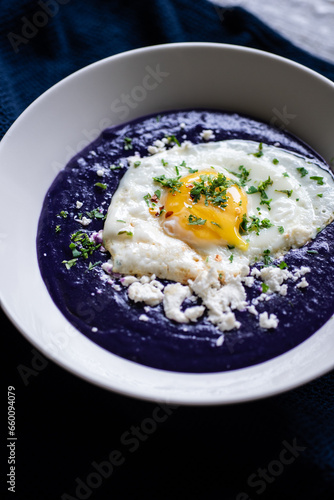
<point>101,185</point>
<point>172,138</point>
<point>231,258</point>
<point>164,163</point>
<point>259,152</point>
<point>280,229</point>
<point>284,191</point>
<point>69,263</point>
<point>120,220</point>
<point>81,246</point>
<point>320,180</point>
<point>266,202</point>
<point>127,143</point>
<point>261,189</point>
<point>95,214</point>
<point>147,199</point>
<point>302,171</point>
<point>283,265</point>
<point>265,287</point>
<point>254,224</point>
<point>215,224</point>
<point>213,189</point>
<point>177,170</point>
<point>172,183</point>
<point>92,266</point>
<point>285,174</point>
<point>266,258</point>
<point>128,233</point>
<point>57,229</point>
<point>137,163</point>
<point>320,195</point>
<point>157,193</point>
<point>183,164</point>
<point>63,214</point>
<point>312,251</point>
<point>275,161</point>
<point>115,167</point>
<point>195,221</point>
<point>242,175</point>
<point>192,171</point>
<point>252,190</point>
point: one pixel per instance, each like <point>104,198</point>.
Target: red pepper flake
<point>218,258</point>
<point>168,214</point>
<point>154,199</point>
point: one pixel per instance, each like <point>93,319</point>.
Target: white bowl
<point>70,115</point>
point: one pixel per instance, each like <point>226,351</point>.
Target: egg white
<point>139,244</point>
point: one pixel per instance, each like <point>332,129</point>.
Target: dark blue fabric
<point>244,438</point>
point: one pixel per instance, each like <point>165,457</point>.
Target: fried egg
<point>222,205</point>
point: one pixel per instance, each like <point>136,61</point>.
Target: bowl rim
<point>111,385</point>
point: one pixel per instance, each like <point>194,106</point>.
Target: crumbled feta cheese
<point>128,280</point>
<point>84,221</point>
<point>94,329</point>
<point>145,292</point>
<point>100,172</point>
<point>107,267</point>
<point>117,287</point>
<point>78,204</point>
<point>174,296</point>
<point>302,284</point>
<point>228,322</point>
<point>207,135</point>
<point>268,321</point>
<point>220,340</point>
<point>251,309</point>
<point>143,317</point>
<point>182,125</point>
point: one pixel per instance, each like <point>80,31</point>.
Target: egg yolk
<point>209,207</point>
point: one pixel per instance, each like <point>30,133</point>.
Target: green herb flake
<point>157,193</point>
<point>192,171</point>
<point>128,233</point>
<point>265,287</point>
<point>57,229</point>
<point>164,163</point>
<point>63,214</point>
<point>288,192</point>
<point>172,138</point>
<point>127,143</point>
<point>195,221</point>
<point>320,195</point>
<point>283,265</point>
<point>172,183</point>
<point>69,263</point>
<point>137,164</point>
<point>177,170</point>
<point>280,229</point>
<point>275,161</point>
<point>120,220</point>
<point>259,152</point>
<point>231,258</point>
<point>215,224</point>
<point>96,213</point>
<point>147,199</point>
<point>312,252</point>
<point>92,266</point>
<point>285,174</point>
<point>266,257</point>
<point>320,180</point>
<point>302,171</point>
<point>115,167</point>
<point>101,185</point>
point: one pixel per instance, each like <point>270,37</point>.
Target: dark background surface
<point>281,447</point>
